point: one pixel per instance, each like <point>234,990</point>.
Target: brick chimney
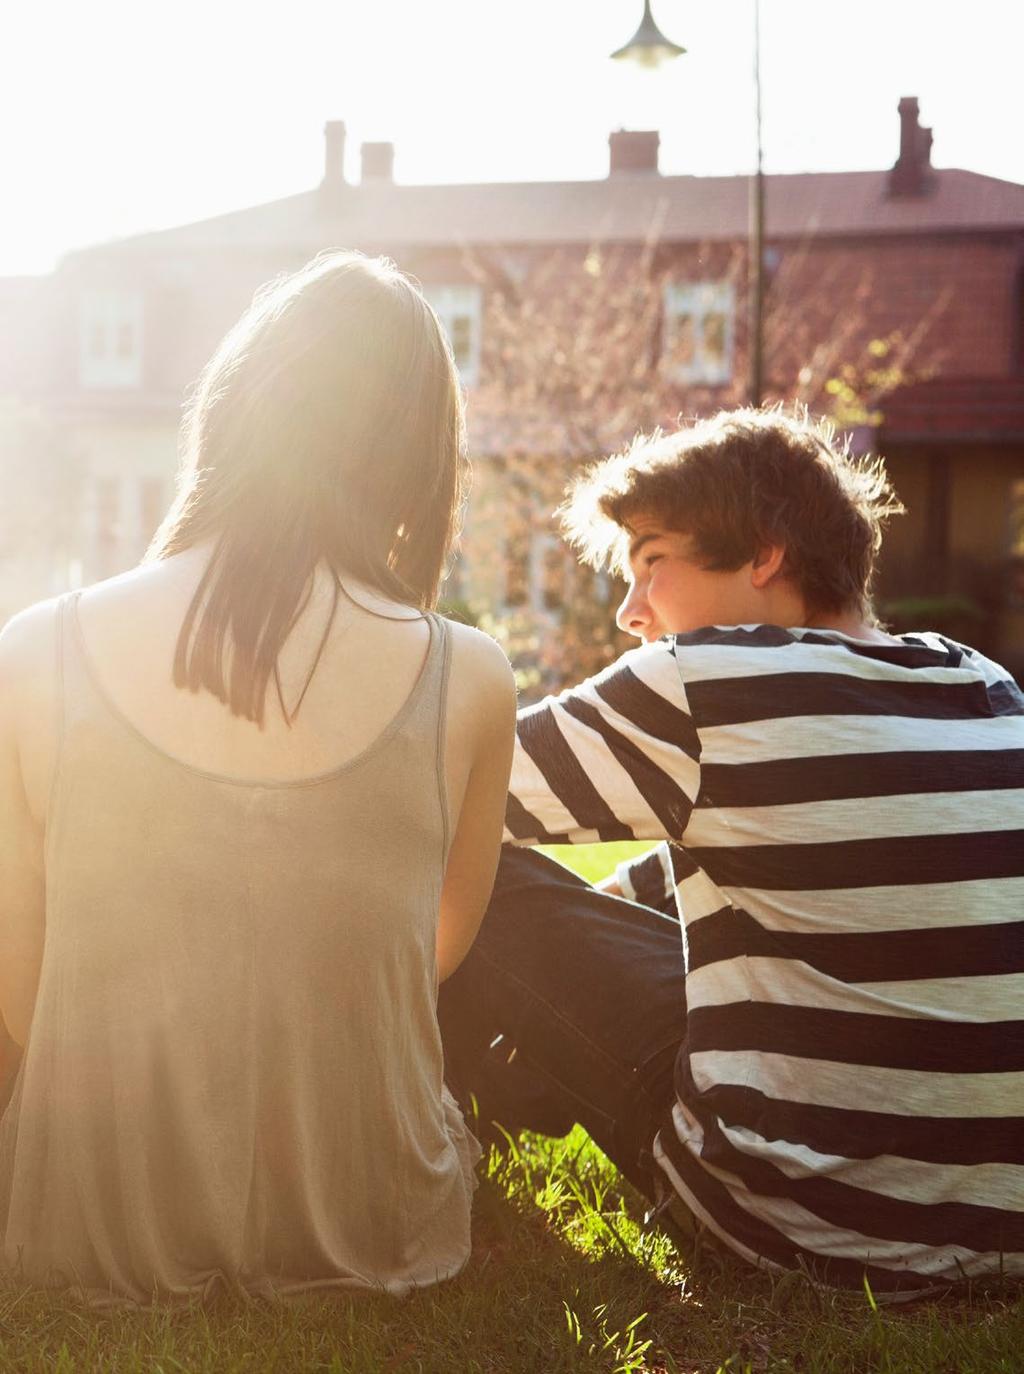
<point>633,151</point>
<point>912,172</point>
<point>378,162</point>
<point>334,154</point>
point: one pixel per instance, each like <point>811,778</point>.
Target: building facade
<point>577,311</point>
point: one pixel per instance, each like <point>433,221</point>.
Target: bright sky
<point>125,115</point>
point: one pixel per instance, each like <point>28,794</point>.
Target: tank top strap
<point>75,685</point>
<point>64,664</point>
<point>68,659</point>
<point>431,706</point>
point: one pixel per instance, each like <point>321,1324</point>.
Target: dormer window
<point>110,339</point>
<point>699,330</point>
<point>459,310</point>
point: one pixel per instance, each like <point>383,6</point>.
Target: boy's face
<point>670,593</point>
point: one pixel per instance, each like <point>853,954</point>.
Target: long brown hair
<point>328,426</point>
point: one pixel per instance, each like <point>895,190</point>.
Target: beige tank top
<point>234,1070</point>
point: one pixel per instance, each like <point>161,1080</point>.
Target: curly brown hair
<point>735,483</point>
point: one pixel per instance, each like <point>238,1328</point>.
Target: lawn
<point>594,861</point>
<point>563,1278</point>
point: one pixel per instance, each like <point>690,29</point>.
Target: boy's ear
<point>767,564</point>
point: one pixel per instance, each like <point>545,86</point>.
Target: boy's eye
<point>652,558</point>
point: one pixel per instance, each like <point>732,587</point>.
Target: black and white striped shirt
<point>848,868</point>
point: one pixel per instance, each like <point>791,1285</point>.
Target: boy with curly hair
<point>802,1032</point>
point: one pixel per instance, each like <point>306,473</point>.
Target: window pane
<point>110,338</point>
<point>459,310</point>
<point>714,342</point>
<point>698,331</point>
<point>683,341</point>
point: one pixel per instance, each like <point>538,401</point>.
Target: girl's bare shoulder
<point>481,673</point>
<point>28,643</point>
<point>480,656</point>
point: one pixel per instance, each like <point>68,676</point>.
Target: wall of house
<point>980,536</point>
<point>957,291</point>
<point>973,560</point>
<point>125,477</point>
<point>906,534</point>
<point>956,296</point>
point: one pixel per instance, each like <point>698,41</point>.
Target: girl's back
<point>223,917</point>
<point>238,990</point>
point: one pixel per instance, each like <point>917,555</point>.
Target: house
<point>918,268</point>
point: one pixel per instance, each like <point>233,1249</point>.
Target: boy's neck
<point>850,623</point>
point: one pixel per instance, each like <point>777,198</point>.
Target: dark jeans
<point>588,991</point>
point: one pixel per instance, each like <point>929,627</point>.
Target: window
<point>110,337</point>
<point>698,340</point>
<point>459,310</point>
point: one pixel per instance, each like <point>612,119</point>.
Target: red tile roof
<point>965,409</point>
<point>623,208</point>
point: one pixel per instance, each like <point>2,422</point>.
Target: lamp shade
<point>648,47</point>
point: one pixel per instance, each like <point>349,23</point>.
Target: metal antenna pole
<point>755,241</point>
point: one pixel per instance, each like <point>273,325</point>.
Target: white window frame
<point>465,302</point>
<point>696,301</point>
<point>102,315</point>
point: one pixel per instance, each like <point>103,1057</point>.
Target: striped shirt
<point>847,864</point>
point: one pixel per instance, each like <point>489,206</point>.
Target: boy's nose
<point>634,615</point>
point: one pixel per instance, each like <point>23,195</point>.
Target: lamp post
<point>650,48</point>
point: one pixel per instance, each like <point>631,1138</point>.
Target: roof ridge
<point>683,207</point>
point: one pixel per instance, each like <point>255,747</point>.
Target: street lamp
<point>650,48</point>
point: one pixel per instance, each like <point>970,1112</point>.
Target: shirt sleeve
<point>652,878</point>
<point>646,878</point>
<point>616,758</point>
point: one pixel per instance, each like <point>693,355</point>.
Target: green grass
<point>563,1277</point>
<point>595,861</point>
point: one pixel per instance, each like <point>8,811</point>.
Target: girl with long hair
<point>251,796</point>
